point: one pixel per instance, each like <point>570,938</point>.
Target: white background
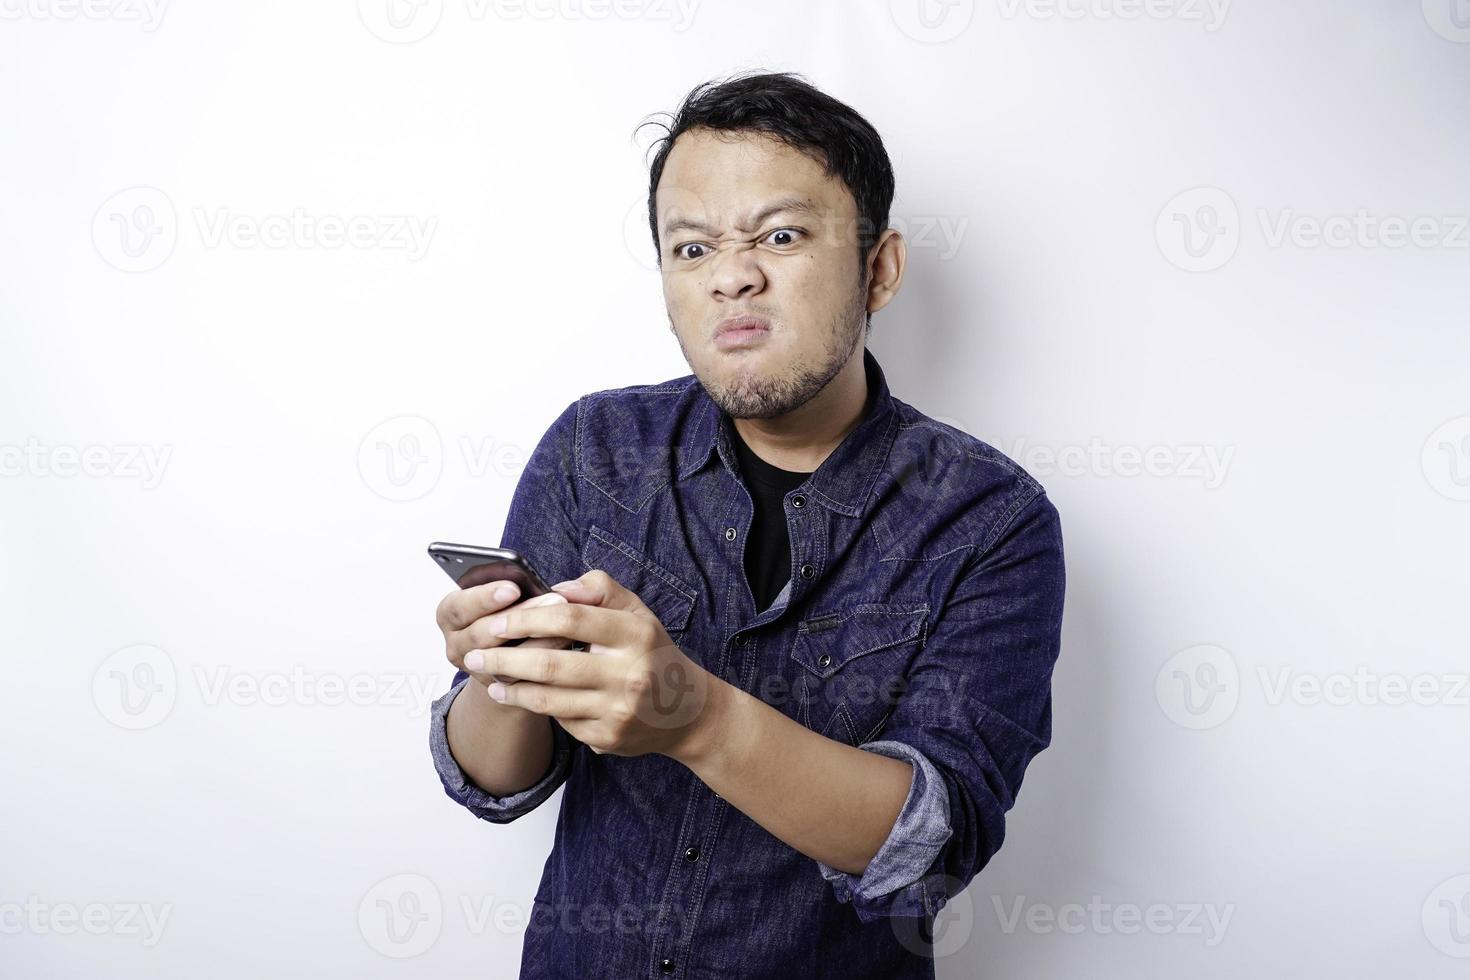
<point>173,742</point>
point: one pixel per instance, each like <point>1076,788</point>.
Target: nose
<point>735,272</point>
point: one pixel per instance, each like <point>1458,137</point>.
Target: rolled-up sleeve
<point>893,880</point>
<point>460,788</point>
<point>974,710</point>
<point>542,524</point>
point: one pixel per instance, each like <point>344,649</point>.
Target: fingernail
<point>546,599</point>
<point>505,592</point>
<point>569,584</point>
<point>497,691</point>
<point>474,660</point>
<point>497,626</point>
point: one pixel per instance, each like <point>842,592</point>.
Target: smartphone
<point>471,564</point>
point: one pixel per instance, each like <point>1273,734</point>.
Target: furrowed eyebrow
<point>797,205</point>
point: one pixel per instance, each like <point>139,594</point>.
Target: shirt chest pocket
<point>663,592</point>
<point>851,664</point>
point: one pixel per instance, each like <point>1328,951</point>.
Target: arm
<point>501,748</point>
<point>977,708</point>
<point>791,780</point>
<point>497,760</point>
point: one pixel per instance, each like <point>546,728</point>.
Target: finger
<point>463,606</point>
<point>588,731</point>
<point>598,588</point>
<point>479,635</point>
<point>543,699</point>
<point>591,624</point>
<point>474,661</point>
<point>557,668</point>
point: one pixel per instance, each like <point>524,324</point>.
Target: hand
<point>463,617</point>
<point>634,691</point>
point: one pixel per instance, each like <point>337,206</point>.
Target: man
<point>821,626</point>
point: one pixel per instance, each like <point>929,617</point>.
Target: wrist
<point>702,739</point>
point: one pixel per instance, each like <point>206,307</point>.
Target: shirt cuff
<point>459,787</point>
<point>894,882</point>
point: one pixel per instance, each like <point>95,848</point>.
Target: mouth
<point>741,331</point>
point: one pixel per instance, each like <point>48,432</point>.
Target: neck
<point>802,438</point>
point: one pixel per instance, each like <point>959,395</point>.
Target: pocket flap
<point>827,641</point>
<point>664,593</point>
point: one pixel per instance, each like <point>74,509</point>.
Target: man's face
<point>726,252</point>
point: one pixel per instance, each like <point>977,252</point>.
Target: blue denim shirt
<point>922,622</point>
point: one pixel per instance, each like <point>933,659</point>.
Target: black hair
<point>785,106</point>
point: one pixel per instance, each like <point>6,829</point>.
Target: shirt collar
<point>844,480</point>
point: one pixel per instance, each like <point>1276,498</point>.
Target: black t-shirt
<point>768,552</point>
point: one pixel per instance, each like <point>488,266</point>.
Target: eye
<point>792,232</point>
<point>679,252</point>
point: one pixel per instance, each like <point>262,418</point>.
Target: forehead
<point>725,176</point>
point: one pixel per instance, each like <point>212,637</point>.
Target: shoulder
<point>626,437</point>
<point>649,408</point>
<point>989,493</point>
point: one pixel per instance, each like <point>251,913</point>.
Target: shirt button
<point>692,854</point>
<point>824,661</point>
<point>808,571</point>
<point>729,534</point>
<point>666,965</point>
<point>798,501</point>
